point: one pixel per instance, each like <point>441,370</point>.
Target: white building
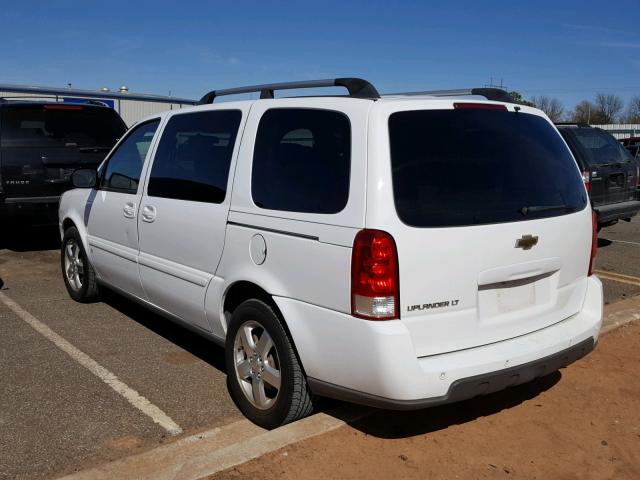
<point>621,130</point>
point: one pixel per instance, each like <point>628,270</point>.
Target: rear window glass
<point>471,167</point>
<point>302,160</point>
<point>600,147</point>
<point>60,126</point>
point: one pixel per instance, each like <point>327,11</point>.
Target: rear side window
<point>600,147</point>
<point>302,160</point>
<point>124,166</point>
<point>471,167</point>
<point>60,126</point>
<point>193,157</point>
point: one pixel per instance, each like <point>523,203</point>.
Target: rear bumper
<point>464,388</point>
<point>616,211</point>
<point>37,209</point>
<point>374,363</point>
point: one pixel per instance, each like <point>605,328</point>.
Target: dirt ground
<point>581,423</point>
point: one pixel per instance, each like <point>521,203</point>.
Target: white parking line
<point>622,241</point>
<point>213,451</point>
<point>133,397</point>
<point>617,277</point>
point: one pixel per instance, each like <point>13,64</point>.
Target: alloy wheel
<point>257,365</point>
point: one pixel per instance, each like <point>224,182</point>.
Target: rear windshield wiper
<point>545,208</point>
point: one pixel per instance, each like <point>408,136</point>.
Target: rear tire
<point>78,274</point>
<point>264,376</point>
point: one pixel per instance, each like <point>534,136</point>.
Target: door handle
<point>148,213</point>
<point>129,210</point>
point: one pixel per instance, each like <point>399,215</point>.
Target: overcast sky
<point>566,49</point>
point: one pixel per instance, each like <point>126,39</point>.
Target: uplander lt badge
<point>430,306</point>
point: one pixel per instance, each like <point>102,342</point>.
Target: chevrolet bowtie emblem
<point>527,242</point>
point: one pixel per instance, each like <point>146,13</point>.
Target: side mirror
<point>84,178</point>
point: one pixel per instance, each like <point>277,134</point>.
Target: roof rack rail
<point>93,94</point>
<point>57,98</point>
<point>357,87</point>
<point>28,97</point>
<point>496,94</point>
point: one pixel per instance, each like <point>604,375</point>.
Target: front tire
<point>77,272</point>
<point>264,376</point>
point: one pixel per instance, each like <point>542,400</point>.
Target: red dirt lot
<point>581,423</point>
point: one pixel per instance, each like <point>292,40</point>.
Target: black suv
<point>608,170</point>
<point>41,144</point>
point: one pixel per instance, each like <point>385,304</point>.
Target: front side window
<point>194,155</point>
<point>302,160</point>
<point>123,168</point>
<point>472,167</point>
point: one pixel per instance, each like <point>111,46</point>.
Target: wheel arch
<point>242,290</point>
<point>69,221</point>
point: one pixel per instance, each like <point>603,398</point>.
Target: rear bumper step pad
<point>615,211</point>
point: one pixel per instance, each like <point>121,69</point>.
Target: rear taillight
<point>594,241</point>
<point>374,276</point>
<point>586,179</point>
<point>63,107</point>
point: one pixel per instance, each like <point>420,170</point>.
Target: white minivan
<point>398,251</point>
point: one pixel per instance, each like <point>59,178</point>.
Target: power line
<point>576,90</point>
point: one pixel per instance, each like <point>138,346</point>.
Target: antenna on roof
<point>500,86</point>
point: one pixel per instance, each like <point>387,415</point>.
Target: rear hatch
<point>611,168</point>
<point>41,145</point>
<point>495,230</point>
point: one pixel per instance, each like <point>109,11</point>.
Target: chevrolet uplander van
<point>399,251</point>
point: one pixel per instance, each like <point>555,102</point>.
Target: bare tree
<point>584,112</point>
<point>551,106</point>
<point>633,110</point>
<point>608,107</point>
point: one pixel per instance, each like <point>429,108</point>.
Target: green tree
<point>518,98</point>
